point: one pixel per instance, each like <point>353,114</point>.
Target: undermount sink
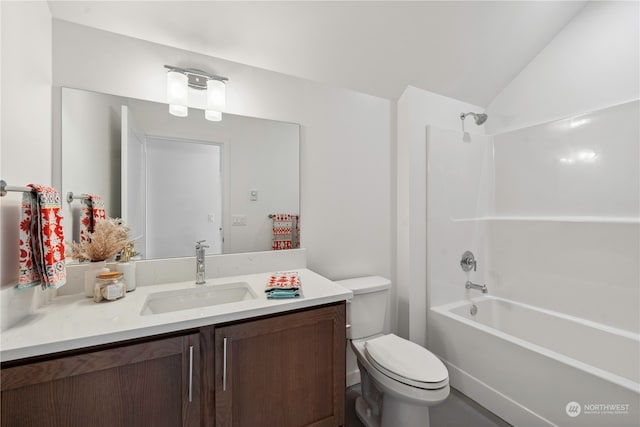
<point>197,297</point>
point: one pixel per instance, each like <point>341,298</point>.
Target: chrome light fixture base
<point>197,78</point>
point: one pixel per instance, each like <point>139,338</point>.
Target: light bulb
<point>216,100</point>
<point>177,93</point>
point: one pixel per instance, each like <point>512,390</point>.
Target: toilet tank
<point>367,310</point>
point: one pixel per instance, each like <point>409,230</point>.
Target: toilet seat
<point>406,362</point>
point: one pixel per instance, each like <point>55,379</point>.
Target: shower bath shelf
<point>593,219</point>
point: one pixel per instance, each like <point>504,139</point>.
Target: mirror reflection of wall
<point>176,180</point>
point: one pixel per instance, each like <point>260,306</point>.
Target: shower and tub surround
<point>541,361</point>
<point>559,233</point>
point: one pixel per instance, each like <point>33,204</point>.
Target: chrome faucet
<point>471,285</point>
<point>200,280</point>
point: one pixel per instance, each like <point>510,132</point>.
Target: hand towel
<point>281,285</point>
<point>285,231</point>
<point>283,293</point>
<point>41,239</point>
<point>288,280</point>
<point>93,210</point>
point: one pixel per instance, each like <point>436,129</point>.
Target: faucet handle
<point>468,261</point>
<point>199,244</point>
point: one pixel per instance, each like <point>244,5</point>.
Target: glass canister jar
<point>109,286</point>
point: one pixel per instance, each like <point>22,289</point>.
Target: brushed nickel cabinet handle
<point>224,365</point>
<point>190,373</point>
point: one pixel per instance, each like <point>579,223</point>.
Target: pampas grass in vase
<point>109,236</point>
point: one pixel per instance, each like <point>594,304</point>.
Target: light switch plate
<point>238,220</point>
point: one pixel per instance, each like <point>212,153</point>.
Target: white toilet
<point>399,379</point>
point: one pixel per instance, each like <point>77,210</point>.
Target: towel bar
<point>4,188</point>
<point>71,197</point>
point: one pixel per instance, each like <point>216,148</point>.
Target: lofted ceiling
<point>465,50</point>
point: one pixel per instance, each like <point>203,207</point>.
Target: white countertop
<point>75,321</point>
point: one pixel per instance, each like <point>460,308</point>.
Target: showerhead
<point>479,118</point>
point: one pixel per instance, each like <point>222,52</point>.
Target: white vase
<point>128,270</point>
<point>93,269</point>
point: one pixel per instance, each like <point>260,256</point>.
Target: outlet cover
<point>238,220</point>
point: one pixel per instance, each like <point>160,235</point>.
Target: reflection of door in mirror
<point>183,206</point>
<point>134,180</point>
<point>171,192</point>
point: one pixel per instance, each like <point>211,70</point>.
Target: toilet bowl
<point>399,379</point>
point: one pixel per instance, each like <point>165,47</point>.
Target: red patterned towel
<point>41,240</point>
<point>93,210</point>
<point>283,280</point>
<point>286,231</point>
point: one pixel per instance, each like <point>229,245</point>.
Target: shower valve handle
<point>468,261</point>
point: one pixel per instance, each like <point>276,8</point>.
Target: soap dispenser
<point>128,267</point>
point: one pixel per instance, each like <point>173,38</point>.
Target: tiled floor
<point>457,411</point>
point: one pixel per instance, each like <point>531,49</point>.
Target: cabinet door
<point>148,384</point>
<point>284,371</point>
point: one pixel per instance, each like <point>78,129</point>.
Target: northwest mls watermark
<point>574,409</point>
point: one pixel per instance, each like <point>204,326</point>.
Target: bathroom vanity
<point>246,363</point>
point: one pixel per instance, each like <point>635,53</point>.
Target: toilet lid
<point>407,362</point>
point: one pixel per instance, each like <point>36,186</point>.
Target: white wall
<point>263,158</point>
<point>592,63</point>
<point>345,139</point>
<point>418,109</point>
<point>25,150</point>
<point>91,153</point>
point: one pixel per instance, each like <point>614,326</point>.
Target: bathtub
<point>536,367</point>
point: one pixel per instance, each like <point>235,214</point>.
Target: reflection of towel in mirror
<point>92,211</point>
<point>41,239</point>
<point>286,231</point>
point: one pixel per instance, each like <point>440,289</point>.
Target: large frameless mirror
<point>177,180</point>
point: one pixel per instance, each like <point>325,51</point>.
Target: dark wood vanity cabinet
<point>287,370</point>
<point>153,383</point>
<point>284,371</point>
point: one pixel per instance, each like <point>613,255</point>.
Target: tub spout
<point>471,285</point>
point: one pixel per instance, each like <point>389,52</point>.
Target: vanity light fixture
<point>179,80</point>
